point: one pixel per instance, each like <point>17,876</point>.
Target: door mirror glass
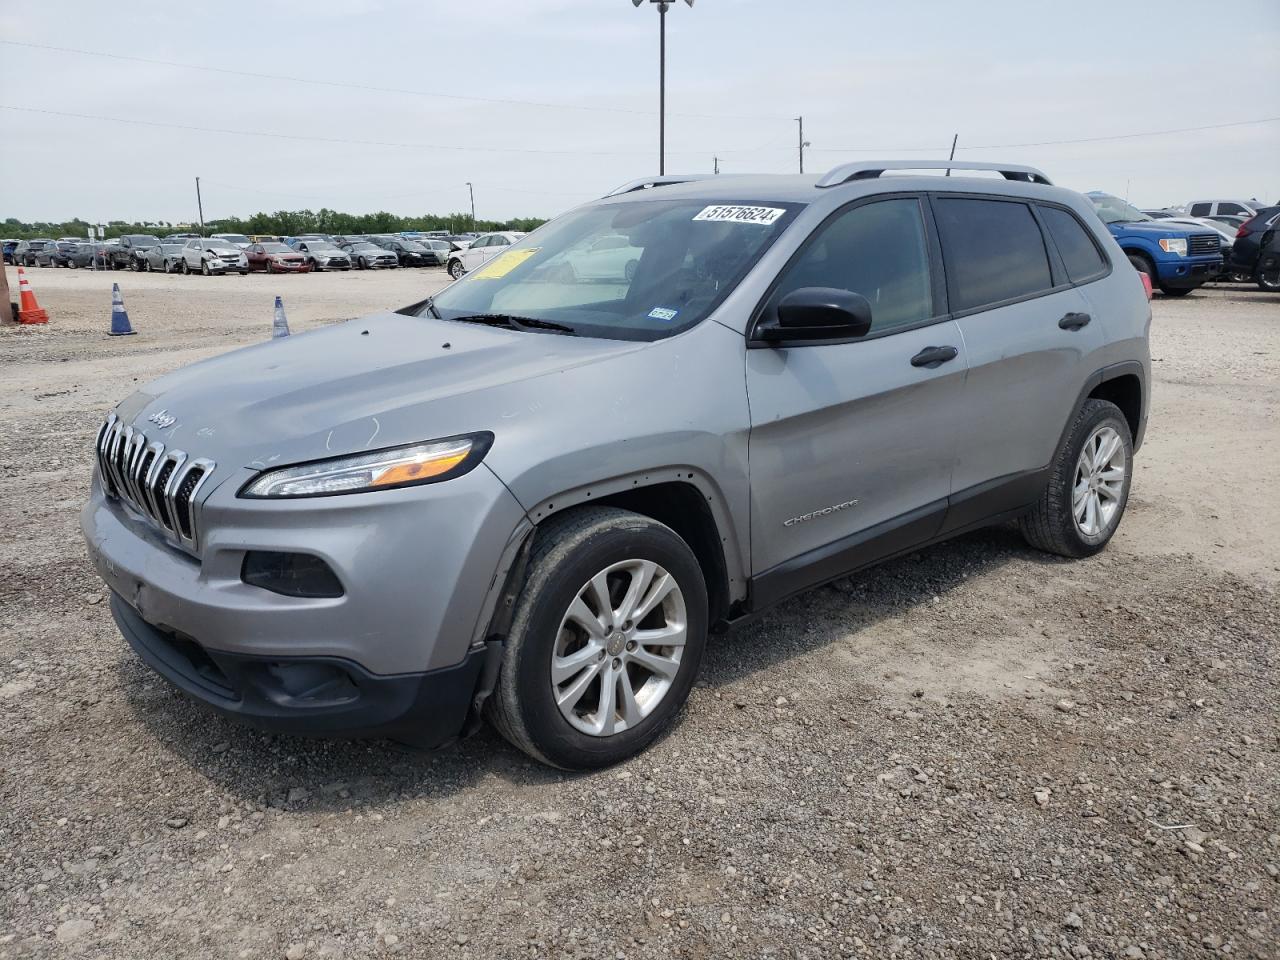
<point>820,313</point>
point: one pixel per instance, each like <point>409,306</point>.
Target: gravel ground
<point>973,751</point>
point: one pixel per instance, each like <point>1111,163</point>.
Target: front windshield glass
<point>314,245</point>
<point>143,240</point>
<point>412,245</point>
<point>1115,210</point>
<point>234,238</point>
<point>277,248</point>
<point>632,270</point>
<point>363,245</point>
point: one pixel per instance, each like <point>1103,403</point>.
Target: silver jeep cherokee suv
<point>533,496</point>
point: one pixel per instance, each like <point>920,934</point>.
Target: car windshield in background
<point>1115,210</point>
<point>234,238</point>
<point>321,245</point>
<point>413,246</point>
<point>142,239</point>
<point>638,270</point>
<point>365,245</point>
<point>277,248</point>
<point>222,248</point>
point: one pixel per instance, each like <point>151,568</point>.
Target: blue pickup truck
<point>1177,259</point>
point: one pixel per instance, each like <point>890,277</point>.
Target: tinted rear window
<point>1079,253</point>
<point>993,250</point>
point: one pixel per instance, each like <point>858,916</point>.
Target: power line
<point>506,101</point>
<point>1050,143</point>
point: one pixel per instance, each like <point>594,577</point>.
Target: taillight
<point>1146,282</point>
<point>1242,231</point>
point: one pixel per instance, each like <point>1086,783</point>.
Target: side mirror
<point>819,313</point>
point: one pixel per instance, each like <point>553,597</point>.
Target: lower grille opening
<point>202,667</point>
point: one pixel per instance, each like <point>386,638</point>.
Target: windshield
<point>142,239</point>
<point>219,246</point>
<point>412,245</point>
<point>366,245</point>
<point>276,248</point>
<point>314,245</point>
<point>633,270</point>
<point>236,238</point>
<point>1115,210</point>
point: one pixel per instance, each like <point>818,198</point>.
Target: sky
<point>543,104</point>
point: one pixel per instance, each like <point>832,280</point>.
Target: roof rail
<point>871,169</point>
<point>647,183</point>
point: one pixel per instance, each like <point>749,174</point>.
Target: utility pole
<point>471,190</point>
<point>716,161</point>
<point>953,152</point>
<point>803,142</point>
<point>200,206</point>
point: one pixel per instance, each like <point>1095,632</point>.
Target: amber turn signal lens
<point>409,472</point>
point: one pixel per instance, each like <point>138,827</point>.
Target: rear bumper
<point>1188,272</point>
<point>308,696</point>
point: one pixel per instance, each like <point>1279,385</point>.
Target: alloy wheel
<point>619,647</point>
<point>1099,482</point>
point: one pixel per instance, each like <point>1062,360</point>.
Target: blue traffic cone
<point>119,316</point>
<point>280,326</point>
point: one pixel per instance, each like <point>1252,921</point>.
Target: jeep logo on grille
<point>163,419</point>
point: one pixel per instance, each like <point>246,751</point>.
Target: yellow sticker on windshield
<point>504,263</point>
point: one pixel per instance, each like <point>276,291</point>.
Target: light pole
<point>472,192</point>
<point>803,142</point>
<point>662,78</point>
<point>200,206</point>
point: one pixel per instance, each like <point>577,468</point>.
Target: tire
<point>185,268</point>
<point>1176,291</point>
<point>1143,265</point>
<point>362,264</point>
<point>1269,278</point>
<point>455,269</point>
<point>1052,525</point>
<point>570,552</point>
<point>629,271</point>
<point>168,266</point>
<point>138,266</point>
<point>204,268</point>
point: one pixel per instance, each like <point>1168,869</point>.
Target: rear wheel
<point>608,633</point>
<point>185,269</point>
<point>1269,276</point>
<point>1081,507</point>
<point>1176,291</point>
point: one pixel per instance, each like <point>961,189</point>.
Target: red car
<point>275,258</point>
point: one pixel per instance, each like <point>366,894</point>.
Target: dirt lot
<point>974,751</point>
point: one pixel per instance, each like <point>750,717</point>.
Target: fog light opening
<point>290,574</point>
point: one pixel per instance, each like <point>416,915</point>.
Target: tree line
<point>282,222</point>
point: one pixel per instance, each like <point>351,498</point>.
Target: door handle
<point>1074,321</point>
<point>934,356</point>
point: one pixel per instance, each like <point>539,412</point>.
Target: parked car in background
<point>212,257</point>
<point>321,254</point>
<point>271,256</point>
<point>1219,208</point>
<point>165,257</point>
<point>7,247</point>
<point>369,256</point>
<point>238,240</point>
<point>486,247</point>
<point>24,254</point>
<point>1231,223</point>
<point>180,237</point>
<point>458,242</point>
<point>440,248</point>
<point>1255,252</point>
<point>130,253</point>
<point>1176,259</point>
<point>60,252</point>
<point>265,238</point>
<point>608,258</point>
<point>410,253</point>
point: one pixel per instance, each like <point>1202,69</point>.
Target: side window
<point>499,242</point>
<point>1078,251</point>
<point>1199,210</point>
<point>1232,208</point>
<point>878,250</point>
<point>482,242</point>
<point>993,250</point>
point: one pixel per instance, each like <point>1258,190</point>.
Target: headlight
<point>1177,245</point>
<point>381,470</point>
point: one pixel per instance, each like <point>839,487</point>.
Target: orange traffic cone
<point>28,310</point>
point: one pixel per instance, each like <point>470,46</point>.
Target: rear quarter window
<point>1080,255</point>
<point>993,250</point>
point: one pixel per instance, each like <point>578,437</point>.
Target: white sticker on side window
<point>721,213</point>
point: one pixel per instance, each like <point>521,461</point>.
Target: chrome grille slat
<point>160,485</point>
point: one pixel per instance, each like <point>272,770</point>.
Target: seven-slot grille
<point>160,484</point>
<point>1203,243</point>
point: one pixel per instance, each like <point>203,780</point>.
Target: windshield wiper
<point>515,323</point>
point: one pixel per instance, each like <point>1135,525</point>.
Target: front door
<point>852,444</point>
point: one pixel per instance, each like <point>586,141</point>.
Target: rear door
<point>474,255</point>
<point>852,443</point>
<point>1030,334</point>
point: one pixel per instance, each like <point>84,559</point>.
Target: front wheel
<point>185,269</point>
<point>204,268</point>
<point>1088,488</point>
<point>168,267</point>
<point>1143,265</point>
<point>455,269</point>
<point>1269,276</point>
<point>606,640</point>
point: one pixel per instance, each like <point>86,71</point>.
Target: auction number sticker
<point>720,213</point>
<point>504,263</point>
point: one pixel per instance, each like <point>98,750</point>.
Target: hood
<point>1156,229</point>
<point>362,385</point>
